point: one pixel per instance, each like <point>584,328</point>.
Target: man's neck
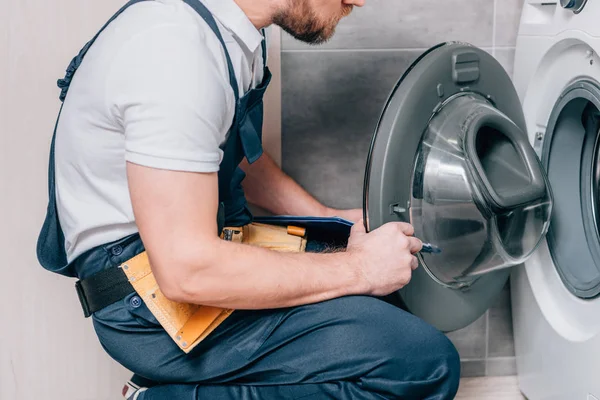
<point>259,12</point>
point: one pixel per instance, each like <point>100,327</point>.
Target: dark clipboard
<point>332,231</point>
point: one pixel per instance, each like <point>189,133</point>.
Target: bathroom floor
<point>489,388</point>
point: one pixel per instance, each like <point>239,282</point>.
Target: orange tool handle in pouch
<point>189,324</point>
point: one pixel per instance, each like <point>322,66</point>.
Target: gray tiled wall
<point>333,95</point>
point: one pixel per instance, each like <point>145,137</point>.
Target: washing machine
<point>556,307</point>
<point>500,179</point>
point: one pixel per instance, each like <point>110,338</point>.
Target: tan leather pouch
<point>189,324</point>
<point>277,238</point>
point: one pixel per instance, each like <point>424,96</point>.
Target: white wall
<point>47,349</point>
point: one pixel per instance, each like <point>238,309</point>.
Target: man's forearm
<point>245,277</point>
<point>193,265</point>
<point>268,187</point>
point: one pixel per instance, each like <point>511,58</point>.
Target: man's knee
<point>444,364</point>
<point>386,329</point>
<point>405,347</point>
<point>427,360</point>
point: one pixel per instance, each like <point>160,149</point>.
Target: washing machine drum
<point>451,156</point>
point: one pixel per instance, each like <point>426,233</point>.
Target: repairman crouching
<point>156,149</point>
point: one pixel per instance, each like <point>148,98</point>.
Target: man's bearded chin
<point>300,21</point>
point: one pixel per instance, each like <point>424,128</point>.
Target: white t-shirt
<point>153,90</point>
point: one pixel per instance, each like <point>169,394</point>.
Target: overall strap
<point>263,45</point>
<point>64,83</point>
<point>50,246</point>
<point>210,20</point>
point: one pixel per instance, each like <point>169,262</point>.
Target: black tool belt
<point>103,289</point>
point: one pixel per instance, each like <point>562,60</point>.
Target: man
<point>162,106</point>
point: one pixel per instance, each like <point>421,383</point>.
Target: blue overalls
<point>355,347</point>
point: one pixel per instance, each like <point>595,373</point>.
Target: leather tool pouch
<point>189,324</point>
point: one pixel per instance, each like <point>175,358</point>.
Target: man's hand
<point>386,256</point>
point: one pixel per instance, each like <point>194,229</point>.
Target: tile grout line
<point>327,50</point>
<point>494,27</point>
<point>487,341</point>
<point>487,313</point>
<point>499,358</point>
<point>374,50</point>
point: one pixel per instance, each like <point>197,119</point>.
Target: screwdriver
<point>430,249</point>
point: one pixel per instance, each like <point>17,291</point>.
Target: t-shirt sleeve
<point>166,88</point>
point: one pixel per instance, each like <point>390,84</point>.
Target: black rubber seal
<point>521,195</point>
<point>573,238</point>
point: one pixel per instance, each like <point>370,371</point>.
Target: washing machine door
<point>450,155</point>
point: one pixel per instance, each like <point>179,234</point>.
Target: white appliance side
<point>541,76</point>
<point>548,18</point>
<point>47,349</point>
<point>549,366</point>
<point>556,335</point>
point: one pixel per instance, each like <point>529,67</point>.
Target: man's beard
<point>303,23</point>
